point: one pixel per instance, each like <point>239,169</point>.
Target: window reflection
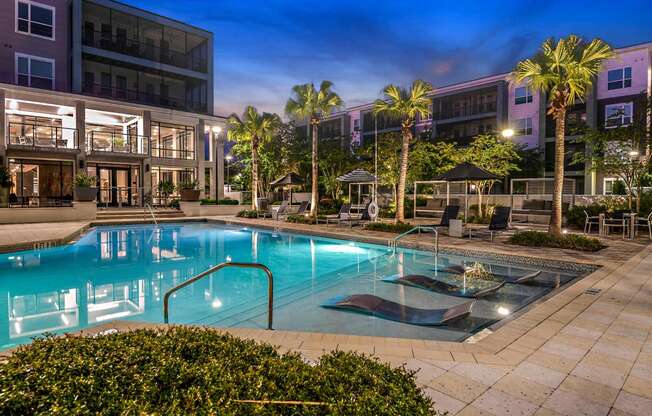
<point>36,313</point>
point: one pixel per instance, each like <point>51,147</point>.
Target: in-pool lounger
<point>459,269</point>
<point>386,309</point>
<point>473,290</point>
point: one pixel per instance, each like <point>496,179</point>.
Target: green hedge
<point>248,213</point>
<point>567,241</point>
<point>219,202</point>
<point>300,219</point>
<point>389,227</point>
<point>184,371</point>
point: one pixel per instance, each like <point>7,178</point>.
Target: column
<point>3,135</point>
<point>200,137</point>
<point>80,125</point>
<point>219,163</point>
<point>146,170</point>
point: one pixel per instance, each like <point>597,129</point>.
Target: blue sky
<point>263,48</point>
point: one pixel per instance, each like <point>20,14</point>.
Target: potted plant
<point>188,191</point>
<point>5,185</point>
<point>165,189</point>
<point>85,187</point>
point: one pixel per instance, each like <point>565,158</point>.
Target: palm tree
<point>565,71</point>
<point>308,103</point>
<point>254,128</point>
<point>404,104</point>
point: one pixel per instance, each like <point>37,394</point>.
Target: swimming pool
<point>123,272</point>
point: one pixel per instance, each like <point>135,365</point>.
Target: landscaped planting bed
<point>566,241</point>
<point>184,371</point>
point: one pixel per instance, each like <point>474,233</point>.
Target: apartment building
<point>121,93</point>
<point>494,103</point>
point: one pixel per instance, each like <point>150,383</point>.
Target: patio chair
<point>499,223</point>
<point>645,222</point>
<point>615,220</point>
<point>344,213</point>
<point>357,219</point>
<point>282,211</point>
<point>305,206</point>
<point>386,309</point>
<point>434,285</point>
<point>450,213</point>
<point>589,221</point>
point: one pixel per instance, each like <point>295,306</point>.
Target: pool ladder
<point>151,212</point>
<point>270,287</point>
<point>394,242</point>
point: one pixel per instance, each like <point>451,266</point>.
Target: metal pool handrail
<point>418,228</point>
<point>151,211</point>
<point>270,287</point>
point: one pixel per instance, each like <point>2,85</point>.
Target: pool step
<point>134,214</point>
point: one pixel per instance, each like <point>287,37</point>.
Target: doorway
<point>114,184</point>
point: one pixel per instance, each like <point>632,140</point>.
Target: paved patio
<point>576,353</point>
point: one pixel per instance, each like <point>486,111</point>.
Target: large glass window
<point>32,71</point>
<point>35,19</point>
<point>619,78</point>
<point>617,115</point>
<point>170,141</point>
<point>174,176</point>
<point>524,127</point>
<point>522,95</point>
<point>40,183</point>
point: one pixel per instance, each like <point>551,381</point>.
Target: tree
<point>622,151</point>
<point>312,104</point>
<point>334,161</point>
<point>498,156</point>
<point>404,104</point>
<point>253,128</point>
<point>565,71</point>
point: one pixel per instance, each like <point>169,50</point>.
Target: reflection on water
<point>124,272</point>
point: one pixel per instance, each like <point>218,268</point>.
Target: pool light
<point>503,311</point>
<point>216,304</point>
<point>228,259</point>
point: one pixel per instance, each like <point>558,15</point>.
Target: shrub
<point>566,241</point>
<point>225,201</point>
<point>575,215</point>
<point>248,213</point>
<point>196,371</point>
<point>389,227</point>
<point>192,185</point>
<point>83,180</point>
<point>300,219</point>
<point>174,204</point>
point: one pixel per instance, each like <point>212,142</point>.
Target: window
<point>428,117</point>
<point>34,72</point>
<point>356,124</point>
<point>35,19</point>
<point>524,127</point>
<point>619,78</point>
<point>617,115</point>
<point>612,186</point>
<point>522,95</point>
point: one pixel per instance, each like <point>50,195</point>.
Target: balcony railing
<point>100,141</point>
<point>465,111</point>
<point>166,153</point>
<point>144,50</point>
<point>144,98</point>
<point>36,136</point>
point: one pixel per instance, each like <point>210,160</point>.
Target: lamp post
<point>228,164</point>
<point>507,133</point>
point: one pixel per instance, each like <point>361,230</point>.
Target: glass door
<point>115,189</point>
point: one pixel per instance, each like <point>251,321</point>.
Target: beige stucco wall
<point>80,211</point>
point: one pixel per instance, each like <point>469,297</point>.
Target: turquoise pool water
<point>122,272</point>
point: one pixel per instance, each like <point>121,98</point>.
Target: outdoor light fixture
<point>217,129</point>
<point>507,133</point>
<point>13,104</point>
<point>633,153</point>
<point>228,158</point>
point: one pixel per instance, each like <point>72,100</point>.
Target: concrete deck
<point>575,353</point>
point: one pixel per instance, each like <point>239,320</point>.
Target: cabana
<point>289,181</point>
<point>465,172</point>
<point>359,177</point>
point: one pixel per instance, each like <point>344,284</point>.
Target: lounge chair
<point>275,213</point>
<point>499,223</point>
<point>450,213</point>
<point>342,215</point>
<point>386,309</point>
<point>356,219</point>
<point>434,285</point>
<point>460,269</point>
<point>305,205</point>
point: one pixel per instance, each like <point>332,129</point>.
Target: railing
<point>101,141</point>
<point>270,287</point>
<point>465,111</point>
<point>144,50</point>
<point>36,201</point>
<point>144,97</point>
<point>166,153</point>
<point>120,196</point>
<point>151,212</point>
<point>34,135</point>
<point>393,242</point>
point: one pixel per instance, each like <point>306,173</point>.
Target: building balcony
<point>144,50</point>
<point>120,143</point>
<point>37,137</point>
<point>168,153</point>
<point>465,111</point>
<point>142,97</point>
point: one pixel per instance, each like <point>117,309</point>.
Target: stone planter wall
<point>80,211</point>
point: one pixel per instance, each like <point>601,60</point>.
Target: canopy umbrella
<point>466,172</point>
<point>289,180</point>
<point>359,177</point>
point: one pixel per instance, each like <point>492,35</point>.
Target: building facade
<point>112,90</point>
<point>494,103</point>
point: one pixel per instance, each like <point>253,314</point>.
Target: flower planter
<point>4,197</point>
<point>83,194</point>
<point>189,195</point>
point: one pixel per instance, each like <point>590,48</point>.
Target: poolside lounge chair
<point>434,285</point>
<point>450,213</point>
<point>275,213</point>
<point>356,219</point>
<point>342,215</point>
<point>460,269</point>
<point>499,223</point>
<point>305,205</point>
<point>386,309</point>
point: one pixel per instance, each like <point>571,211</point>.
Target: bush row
<point>567,241</point>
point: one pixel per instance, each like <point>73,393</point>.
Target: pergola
<point>359,177</point>
<point>290,180</point>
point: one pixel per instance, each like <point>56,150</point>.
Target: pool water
<point>123,272</point>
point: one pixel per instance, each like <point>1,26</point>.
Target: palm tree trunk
<point>314,198</point>
<point>254,173</point>
<point>402,177</point>
<point>558,187</point>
